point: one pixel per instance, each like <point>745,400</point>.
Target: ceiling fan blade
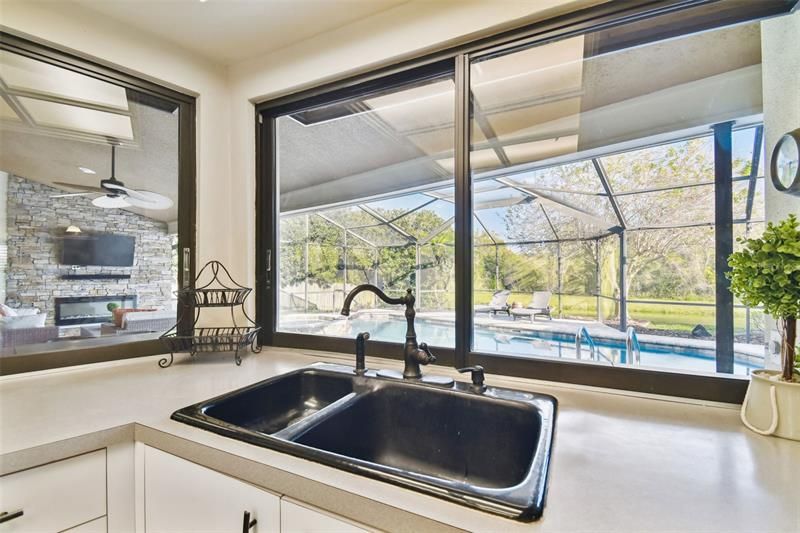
<point>149,200</point>
<point>78,186</point>
<point>110,202</point>
<point>143,199</point>
<point>70,195</point>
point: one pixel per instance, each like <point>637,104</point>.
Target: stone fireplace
<point>36,277</point>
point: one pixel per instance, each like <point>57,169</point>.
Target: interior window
<point>89,198</point>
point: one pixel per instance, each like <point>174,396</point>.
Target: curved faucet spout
<point>413,354</point>
<point>403,300</point>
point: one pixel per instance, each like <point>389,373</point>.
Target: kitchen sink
<point>487,449</point>
<point>443,434</point>
<point>271,406</point>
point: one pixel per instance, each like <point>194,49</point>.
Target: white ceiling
<point>227,31</point>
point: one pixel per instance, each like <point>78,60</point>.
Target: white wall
<point>70,26</point>
<point>780,51</point>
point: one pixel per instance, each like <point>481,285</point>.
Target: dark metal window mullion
<point>463,213</point>
<point>267,246</point>
<point>723,233</point>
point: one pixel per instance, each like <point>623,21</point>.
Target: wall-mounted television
<point>101,249</point>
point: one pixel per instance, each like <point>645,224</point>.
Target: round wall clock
<point>785,164</point>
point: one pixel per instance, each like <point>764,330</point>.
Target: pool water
<point>532,344</point>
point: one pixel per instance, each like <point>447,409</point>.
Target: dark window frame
<point>95,68</point>
<point>709,14</point>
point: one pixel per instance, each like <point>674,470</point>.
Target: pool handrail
<point>584,333</point>
<point>633,349</point>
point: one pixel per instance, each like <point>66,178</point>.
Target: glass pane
<point>687,162</point>
<point>594,145</point>
<point>75,262</point>
<point>378,186</point>
<point>743,143</point>
<point>748,199</point>
<point>669,207</point>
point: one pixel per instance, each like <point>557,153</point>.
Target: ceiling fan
<point>113,193</point>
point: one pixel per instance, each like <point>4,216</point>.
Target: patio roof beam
<point>483,206</point>
<point>395,219</point>
<point>489,133</point>
<point>601,174</point>
<point>549,222</point>
<point>388,223</point>
<point>576,212</point>
<point>444,226</point>
<point>688,225</point>
<point>331,221</point>
<point>546,241</point>
<point>754,162</point>
<point>489,233</point>
<point>676,187</point>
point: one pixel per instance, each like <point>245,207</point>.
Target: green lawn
<point>666,317</point>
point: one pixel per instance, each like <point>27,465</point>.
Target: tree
<point>661,263</point>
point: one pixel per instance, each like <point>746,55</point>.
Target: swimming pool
<point>521,343</point>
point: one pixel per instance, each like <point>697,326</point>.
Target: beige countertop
<point>621,462</point>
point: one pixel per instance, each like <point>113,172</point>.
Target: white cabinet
<point>298,518</point>
<point>182,496</point>
<point>57,496</point>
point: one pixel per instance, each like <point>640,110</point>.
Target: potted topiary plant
<point>767,272</point>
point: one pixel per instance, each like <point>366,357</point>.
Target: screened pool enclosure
<point>622,238</point>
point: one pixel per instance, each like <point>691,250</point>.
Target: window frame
<point>95,68</point>
<point>709,14</point>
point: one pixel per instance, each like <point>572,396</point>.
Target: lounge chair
<point>539,306</point>
<point>499,303</point>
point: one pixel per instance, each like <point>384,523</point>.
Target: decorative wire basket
<point>215,297</point>
<point>226,293</point>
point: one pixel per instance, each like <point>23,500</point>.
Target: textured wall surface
<point>36,224</point>
<point>780,51</point>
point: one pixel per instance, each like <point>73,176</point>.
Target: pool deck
<point>505,324</point>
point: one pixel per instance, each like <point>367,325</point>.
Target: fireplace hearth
<point>75,310</point>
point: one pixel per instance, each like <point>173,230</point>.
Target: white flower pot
<point>772,406</point>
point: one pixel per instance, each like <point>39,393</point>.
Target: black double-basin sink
<point>488,449</point>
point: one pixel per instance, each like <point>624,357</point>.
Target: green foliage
<point>767,271</point>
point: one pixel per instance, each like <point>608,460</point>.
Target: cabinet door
<point>297,518</point>
<point>56,496</point>
<point>182,496</point>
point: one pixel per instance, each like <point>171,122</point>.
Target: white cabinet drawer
<point>181,496</point>
<point>298,518</point>
<point>56,496</point>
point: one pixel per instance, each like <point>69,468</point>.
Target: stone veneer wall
<point>36,223</point>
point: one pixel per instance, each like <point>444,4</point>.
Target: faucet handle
<point>477,376</point>
<point>361,342</point>
<point>430,357</point>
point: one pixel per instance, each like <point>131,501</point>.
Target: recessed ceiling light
<point>87,170</point>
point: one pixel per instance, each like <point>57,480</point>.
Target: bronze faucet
<point>413,354</point>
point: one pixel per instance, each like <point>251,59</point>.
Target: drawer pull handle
<point>248,524</point>
<point>5,516</point>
